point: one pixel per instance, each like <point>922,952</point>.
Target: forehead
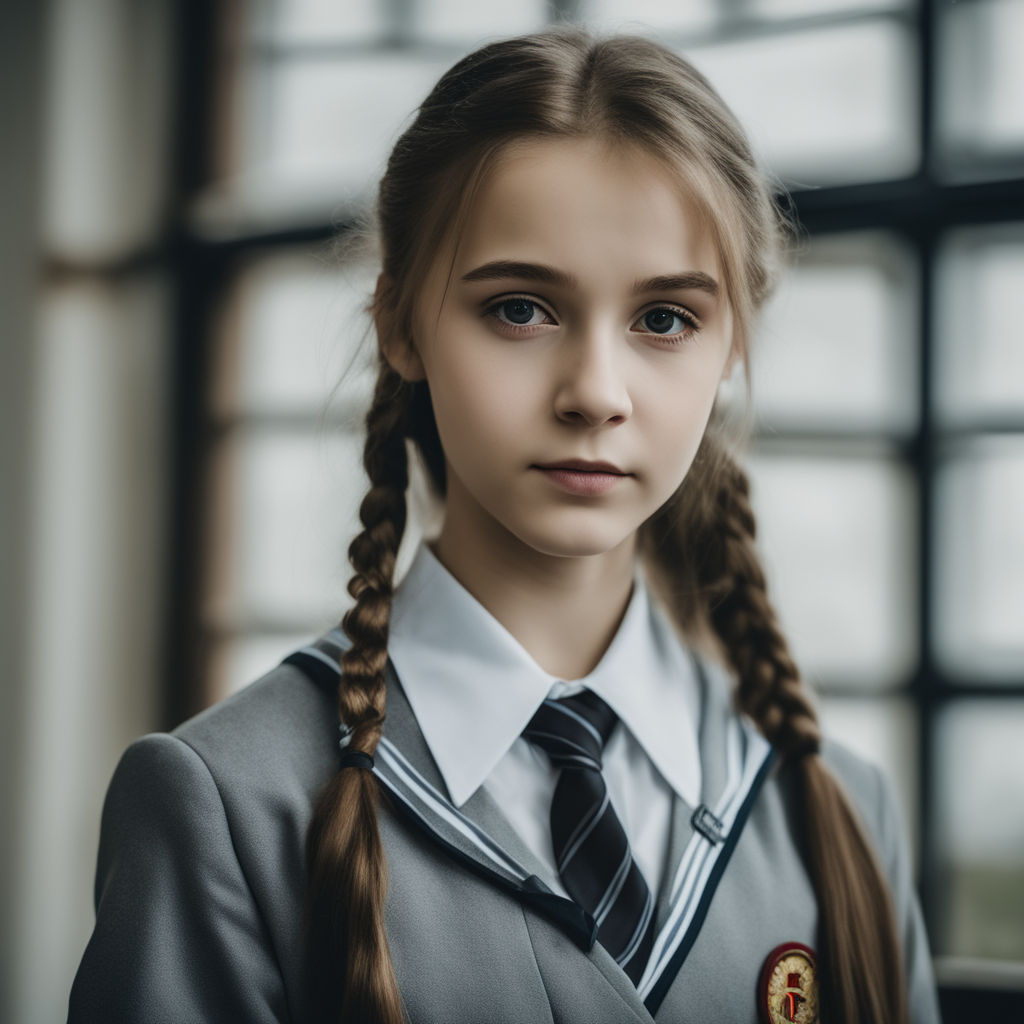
<point>600,211</point>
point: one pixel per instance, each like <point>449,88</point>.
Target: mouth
<point>582,478</point>
<point>583,466</point>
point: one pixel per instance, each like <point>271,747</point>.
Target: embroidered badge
<point>788,990</point>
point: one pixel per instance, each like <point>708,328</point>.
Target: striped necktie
<point>591,849</point>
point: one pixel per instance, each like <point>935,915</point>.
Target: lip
<point>577,476</point>
<point>582,465</point>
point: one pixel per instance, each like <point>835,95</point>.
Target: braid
<point>702,546</point>
<point>347,871</point>
<point>769,690</point>
<point>373,553</point>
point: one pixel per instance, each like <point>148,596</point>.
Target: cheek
<point>476,401</point>
<point>678,417</point>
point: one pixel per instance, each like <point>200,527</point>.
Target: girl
<point>539,804</point>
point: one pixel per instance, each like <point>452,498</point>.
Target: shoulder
<point>215,813</point>
<point>872,797</point>
<point>864,782</point>
<point>282,722</point>
<point>253,763</point>
<point>200,869</point>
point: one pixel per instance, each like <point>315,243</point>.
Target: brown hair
<point>699,547</point>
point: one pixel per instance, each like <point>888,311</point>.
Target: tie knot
<point>572,730</point>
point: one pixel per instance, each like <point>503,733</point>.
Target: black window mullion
<point>925,683</point>
<point>196,286</point>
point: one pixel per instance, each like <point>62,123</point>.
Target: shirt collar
<point>473,687</point>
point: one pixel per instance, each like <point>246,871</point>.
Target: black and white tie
<point>591,849</point>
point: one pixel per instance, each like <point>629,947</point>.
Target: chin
<point>574,540</point>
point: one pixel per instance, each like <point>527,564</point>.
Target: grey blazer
<point>199,883</point>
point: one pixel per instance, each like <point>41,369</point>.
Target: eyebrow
<point>500,270</point>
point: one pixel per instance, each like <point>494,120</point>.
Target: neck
<point>543,599</point>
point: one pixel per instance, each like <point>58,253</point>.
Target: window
<point>888,458</point>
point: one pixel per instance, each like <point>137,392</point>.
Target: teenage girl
<point>567,771</point>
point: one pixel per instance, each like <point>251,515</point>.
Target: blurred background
<point>183,374</point>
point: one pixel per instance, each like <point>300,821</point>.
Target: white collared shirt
<point>473,688</point>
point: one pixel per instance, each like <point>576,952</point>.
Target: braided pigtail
<point>859,952</point>
<point>347,872</point>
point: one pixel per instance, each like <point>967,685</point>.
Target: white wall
<point>83,424</point>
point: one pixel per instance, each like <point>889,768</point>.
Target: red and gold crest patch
<point>789,986</point>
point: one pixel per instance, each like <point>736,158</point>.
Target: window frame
<point>921,210</point>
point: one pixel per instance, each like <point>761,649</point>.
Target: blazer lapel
<point>405,768</point>
<point>478,835</point>
<point>490,843</point>
<point>484,810</point>
<point>735,761</point>
<point>402,730</point>
<point>711,729</point>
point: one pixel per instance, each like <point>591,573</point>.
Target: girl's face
<point>585,320</point>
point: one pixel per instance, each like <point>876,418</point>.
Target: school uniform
<point>200,878</point>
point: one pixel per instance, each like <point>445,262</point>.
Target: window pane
<point>979,312</point>
<point>981,79</point>
<point>293,341</point>
<point>110,82</point>
<point>636,16</point>
<point>826,105</point>
<point>980,568</point>
<point>838,343</point>
<point>97,401</point>
<point>980,780</point>
<point>318,21</point>
<point>325,127</point>
<point>101,502</point>
<point>239,660</point>
<point>472,23</point>
<point>798,8</point>
<point>836,538</point>
<point>284,512</point>
<point>884,732</point>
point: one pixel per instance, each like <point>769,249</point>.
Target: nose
<point>591,382</point>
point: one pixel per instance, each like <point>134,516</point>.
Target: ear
<point>396,345</point>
